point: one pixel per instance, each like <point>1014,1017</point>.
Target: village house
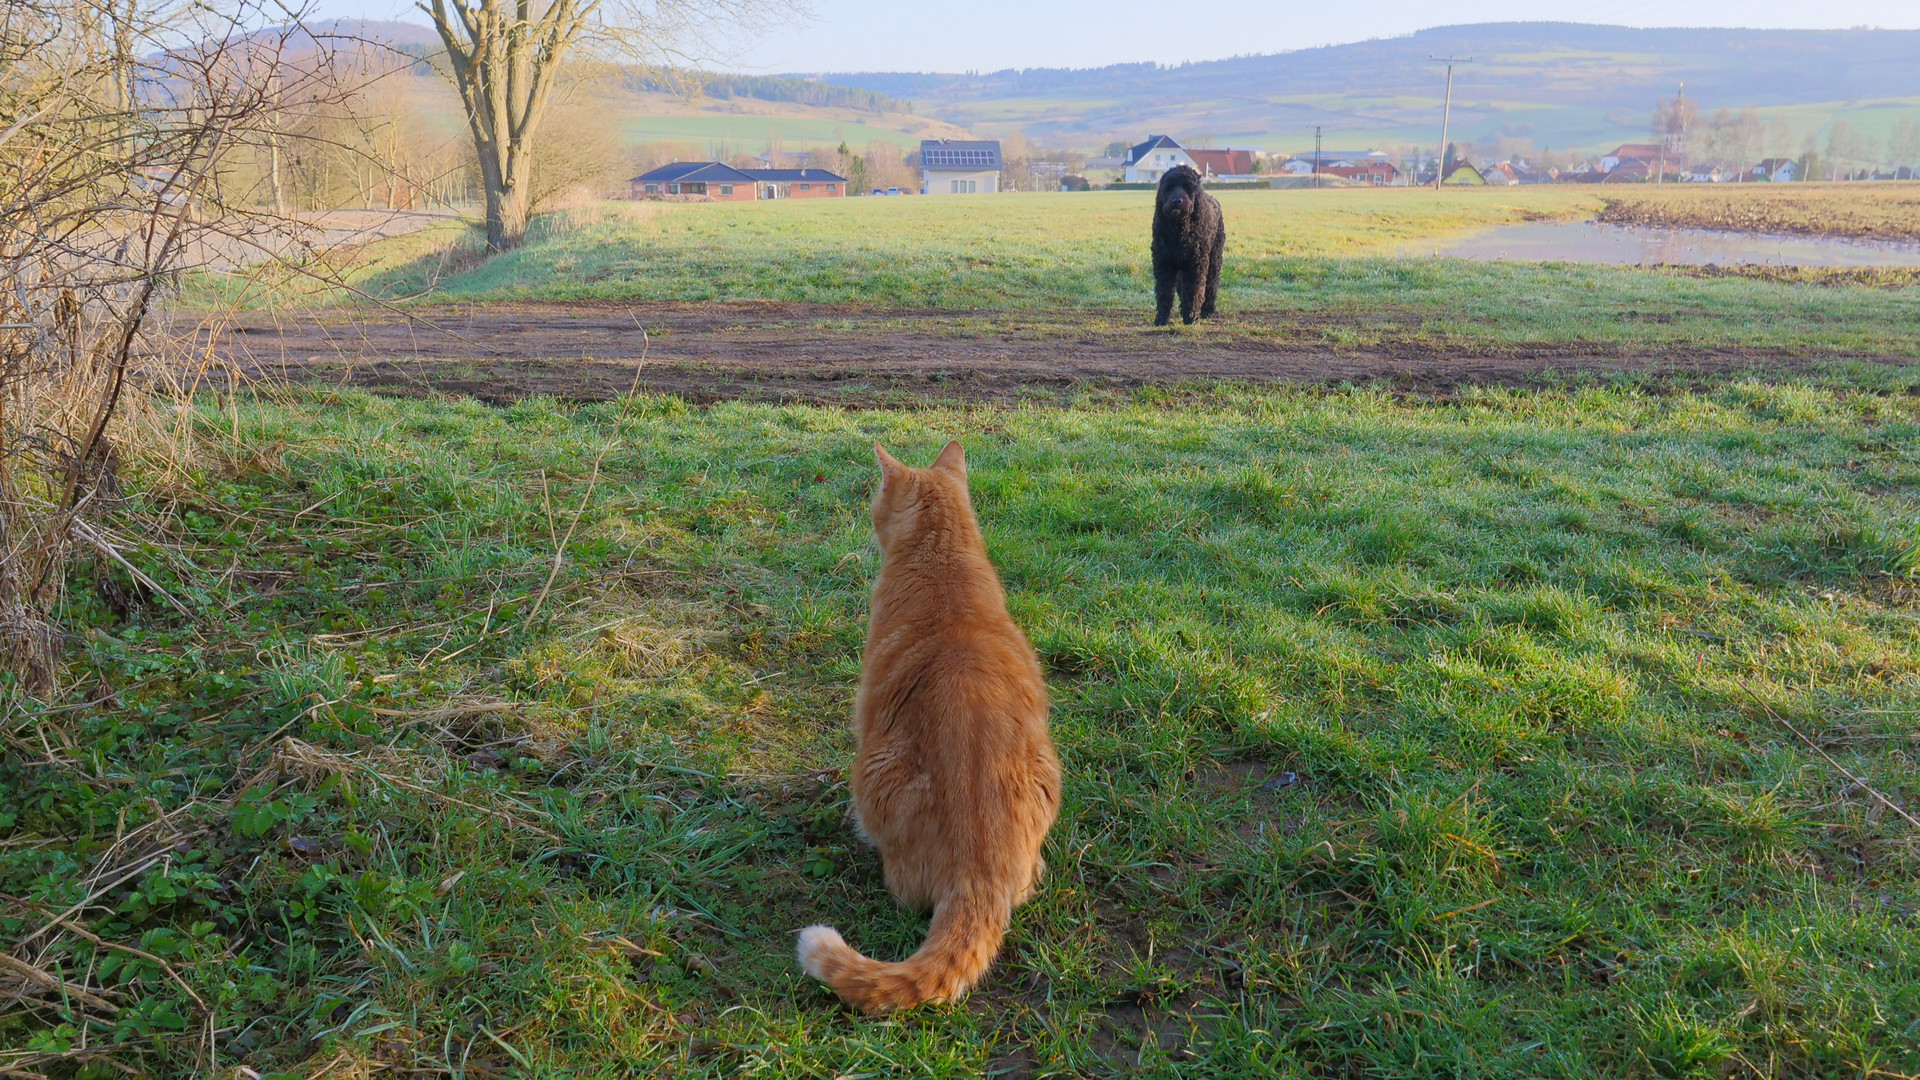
<point>798,183</point>
<point>1630,171</point>
<point>1526,172</point>
<point>720,182</point>
<point>1629,152</point>
<point>1461,173</point>
<point>1376,172</point>
<point>959,167</point>
<point>1670,156</point>
<point>1226,166</point>
<point>709,179</point>
<point>1371,167</point>
<point>1148,161</point>
<point>1776,169</point>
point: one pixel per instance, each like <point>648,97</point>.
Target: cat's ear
<point>890,469</point>
<point>953,459</point>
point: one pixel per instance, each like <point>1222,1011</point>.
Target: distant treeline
<point>770,88</point>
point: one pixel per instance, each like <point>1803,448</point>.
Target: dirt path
<point>706,352</point>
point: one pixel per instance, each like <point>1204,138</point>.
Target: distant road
<point>301,235</point>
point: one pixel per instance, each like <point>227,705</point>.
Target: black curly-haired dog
<point>1189,239</point>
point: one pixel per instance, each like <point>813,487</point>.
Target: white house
<point>1301,164</point>
<point>1148,160</point>
<point>955,167</point>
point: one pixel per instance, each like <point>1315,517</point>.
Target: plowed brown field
<point>503,352</point>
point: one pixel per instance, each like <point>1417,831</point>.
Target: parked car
<point>893,191</point>
<point>879,191</point>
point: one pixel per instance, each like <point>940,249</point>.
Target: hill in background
<point>1561,85</point>
<point>696,113</point>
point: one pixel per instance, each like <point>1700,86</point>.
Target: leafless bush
<point>117,119</point>
<point>582,156</point>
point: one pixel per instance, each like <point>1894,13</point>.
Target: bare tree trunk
<point>504,64</point>
<point>273,166</point>
<point>506,219</point>
<point>273,149</point>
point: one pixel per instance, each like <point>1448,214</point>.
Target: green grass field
<point>1343,267</point>
<point>410,797</point>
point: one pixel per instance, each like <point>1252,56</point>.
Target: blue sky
<point>985,35</point>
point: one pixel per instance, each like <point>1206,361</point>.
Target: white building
<point>954,167</point>
<point>1148,160</point>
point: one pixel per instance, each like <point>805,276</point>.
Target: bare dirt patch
<point>503,352</point>
<point>1882,210</point>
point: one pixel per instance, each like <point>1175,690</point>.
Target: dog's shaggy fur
<point>1189,239</point>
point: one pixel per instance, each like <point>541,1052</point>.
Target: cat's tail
<point>961,943</point>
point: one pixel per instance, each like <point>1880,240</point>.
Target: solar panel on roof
<point>959,157</point>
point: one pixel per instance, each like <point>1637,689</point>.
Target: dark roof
<point>784,176</point>
<point>694,171</point>
<point>1154,142</point>
<point>971,155</point>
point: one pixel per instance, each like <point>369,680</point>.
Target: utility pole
<point>1446,115</point>
<point>1316,155</point>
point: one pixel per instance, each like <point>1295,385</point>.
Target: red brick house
<point>1373,171</point>
<point>703,179</point>
<point>719,182</point>
<point>798,183</point>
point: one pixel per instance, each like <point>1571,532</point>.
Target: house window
<point>653,189</point>
<point>726,189</point>
<point>831,187</point>
<point>673,189</point>
<point>806,187</point>
<point>953,187</point>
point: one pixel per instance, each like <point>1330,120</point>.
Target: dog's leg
<point>1211,294</point>
<point>1162,296</point>
<point>1189,285</point>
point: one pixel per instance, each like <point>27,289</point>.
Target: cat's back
<point>950,640</point>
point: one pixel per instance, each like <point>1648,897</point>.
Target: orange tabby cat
<point>955,780</point>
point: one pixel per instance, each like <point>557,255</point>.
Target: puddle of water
<point>1593,242</point>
